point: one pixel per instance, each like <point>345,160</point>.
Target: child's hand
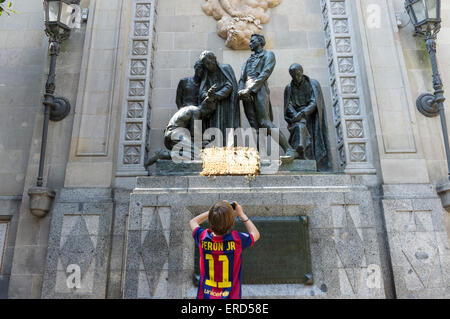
<point>239,211</point>
<point>251,228</point>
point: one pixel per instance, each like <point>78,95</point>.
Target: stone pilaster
<point>93,143</point>
<point>392,103</point>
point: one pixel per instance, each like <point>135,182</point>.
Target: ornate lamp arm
<point>56,108</point>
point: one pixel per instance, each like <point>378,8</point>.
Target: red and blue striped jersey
<point>220,263</point>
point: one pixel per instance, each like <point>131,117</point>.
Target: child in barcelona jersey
<point>220,250</point>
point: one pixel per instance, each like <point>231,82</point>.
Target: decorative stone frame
<point>353,145</point>
<point>348,101</point>
<point>135,122</point>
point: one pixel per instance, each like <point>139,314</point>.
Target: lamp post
<point>59,17</point>
<point>426,18</point>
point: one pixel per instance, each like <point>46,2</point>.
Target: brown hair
<point>221,217</point>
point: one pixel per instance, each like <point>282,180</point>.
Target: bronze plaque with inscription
<point>281,256</point>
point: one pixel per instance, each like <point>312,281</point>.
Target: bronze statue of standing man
<point>255,94</point>
<point>227,114</point>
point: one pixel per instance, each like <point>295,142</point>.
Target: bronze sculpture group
<point>213,96</point>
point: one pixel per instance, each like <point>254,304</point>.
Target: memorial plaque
<point>281,256</point>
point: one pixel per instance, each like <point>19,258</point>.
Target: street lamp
<point>59,17</point>
<point>426,18</point>
<point>425,15</point>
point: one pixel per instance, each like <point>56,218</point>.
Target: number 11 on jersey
<point>225,283</point>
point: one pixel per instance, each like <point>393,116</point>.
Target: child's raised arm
<point>251,228</point>
<point>197,220</point>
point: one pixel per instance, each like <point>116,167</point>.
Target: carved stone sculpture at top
<point>239,19</point>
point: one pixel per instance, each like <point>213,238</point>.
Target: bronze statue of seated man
<point>304,111</point>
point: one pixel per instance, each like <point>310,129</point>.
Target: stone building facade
<point>378,226</point>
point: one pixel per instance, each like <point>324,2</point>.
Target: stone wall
<point>22,56</point>
<point>29,243</point>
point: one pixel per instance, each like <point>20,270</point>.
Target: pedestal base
<point>169,168</point>
<point>194,168</point>
<point>343,237</point>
